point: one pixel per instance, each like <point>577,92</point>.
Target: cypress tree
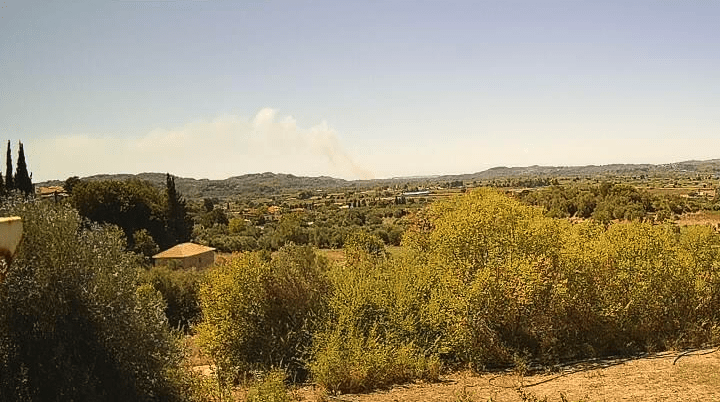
<point>8,170</point>
<point>179,225</point>
<point>23,182</point>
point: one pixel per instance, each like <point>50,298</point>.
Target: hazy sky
<point>356,89</point>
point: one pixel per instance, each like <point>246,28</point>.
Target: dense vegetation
<point>21,181</point>
<point>607,201</point>
<point>147,216</point>
<point>483,280</point>
<point>76,323</point>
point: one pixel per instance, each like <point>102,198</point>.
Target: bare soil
<point>700,218</point>
<point>669,376</point>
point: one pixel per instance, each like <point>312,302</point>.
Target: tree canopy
<point>132,205</point>
<point>75,323</point>
<point>8,169</point>
<point>178,223</point>
<point>23,182</point>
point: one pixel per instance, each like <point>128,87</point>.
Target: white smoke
<point>226,146</point>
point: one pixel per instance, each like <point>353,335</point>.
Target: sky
<point>356,89</point>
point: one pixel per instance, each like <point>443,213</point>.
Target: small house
<point>186,255</point>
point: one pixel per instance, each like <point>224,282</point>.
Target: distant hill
<point>256,184</point>
<point>688,167</point>
<point>259,184</point>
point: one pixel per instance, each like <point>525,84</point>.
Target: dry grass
<point>694,377</point>
<point>334,255</point>
<point>337,255</point>
<point>700,218</point>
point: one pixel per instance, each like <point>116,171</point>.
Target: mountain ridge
<point>268,183</point>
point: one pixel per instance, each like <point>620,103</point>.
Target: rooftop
<point>184,250</point>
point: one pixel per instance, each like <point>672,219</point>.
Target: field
<point>693,377</point>
<point>700,218</point>
<point>422,290</point>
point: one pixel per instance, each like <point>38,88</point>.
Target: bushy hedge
<point>380,325</point>
<point>180,289</point>
<point>75,324</point>
<point>260,311</point>
<point>482,281</point>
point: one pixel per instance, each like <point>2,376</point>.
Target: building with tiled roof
<point>186,255</point>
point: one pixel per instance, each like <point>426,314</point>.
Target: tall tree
<point>2,185</point>
<point>179,225</point>
<point>70,183</point>
<point>133,205</point>
<point>23,182</point>
<point>8,170</point>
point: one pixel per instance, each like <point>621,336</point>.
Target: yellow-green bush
<point>483,281</point>
<point>269,387</point>
<point>179,288</point>
<point>525,284</point>
<point>376,333</point>
<point>260,312</point>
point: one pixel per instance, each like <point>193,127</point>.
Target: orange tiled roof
<point>49,190</point>
<point>183,250</point>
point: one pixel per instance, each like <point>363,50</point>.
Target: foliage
<point>178,223</point>
<point>321,226</point>
<point>135,205</point>
<point>70,183</point>
<point>270,387</point>
<point>486,280</point>
<point>9,183</point>
<point>359,245</point>
<point>381,328</point>
<point>606,201</point>
<point>144,244</point>
<point>75,325</point>
<point>198,387</point>
<point>236,225</point>
<point>220,237</point>
<point>214,217</point>
<point>22,177</point>
<point>132,205</point>
<point>180,289</point>
<point>260,312</point>
<point>525,284</point>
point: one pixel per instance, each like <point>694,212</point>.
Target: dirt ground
<point>700,218</point>
<point>670,376</point>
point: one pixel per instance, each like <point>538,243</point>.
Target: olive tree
<point>75,324</point>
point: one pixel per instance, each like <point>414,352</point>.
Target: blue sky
<point>212,89</point>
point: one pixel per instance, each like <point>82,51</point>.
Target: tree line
<point>21,181</point>
<point>481,281</point>
<point>608,201</point>
<point>149,218</point>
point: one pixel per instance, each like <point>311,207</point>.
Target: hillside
<point>259,184</point>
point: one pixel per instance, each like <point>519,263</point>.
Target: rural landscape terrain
<point>352,201</point>
<point>538,283</point>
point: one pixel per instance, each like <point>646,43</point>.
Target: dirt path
<point>693,377</point>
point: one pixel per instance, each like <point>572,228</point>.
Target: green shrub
<point>269,387</point>
<point>359,244</point>
<point>355,362</point>
<point>524,284</point>
<point>260,312</point>
<point>198,387</point>
<point>180,288</point>
<point>381,327</point>
<point>74,323</point>
<point>482,281</point>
